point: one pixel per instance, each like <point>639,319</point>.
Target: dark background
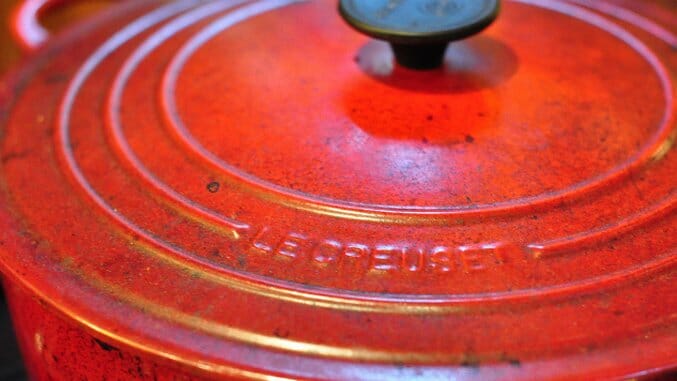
<point>11,368</point>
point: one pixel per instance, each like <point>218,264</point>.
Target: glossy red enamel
<point>251,188</point>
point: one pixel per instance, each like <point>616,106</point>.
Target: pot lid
<point>256,188</point>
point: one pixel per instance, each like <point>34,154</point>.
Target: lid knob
<point>419,30</point>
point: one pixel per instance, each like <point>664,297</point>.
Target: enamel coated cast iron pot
<point>382,189</point>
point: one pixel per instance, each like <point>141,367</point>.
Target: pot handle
<point>419,31</point>
<point>25,24</point>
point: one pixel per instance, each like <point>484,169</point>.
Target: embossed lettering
<point>413,259</point>
<point>440,7</point>
<point>388,8</point>
<point>260,243</point>
<point>505,252</point>
<point>385,258</point>
<point>441,259</point>
<point>359,259</point>
<point>472,258</point>
<point>355,257</point>
<point>291,246</point>
<point>327,252</point>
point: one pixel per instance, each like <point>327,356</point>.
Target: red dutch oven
<point>280,189</point>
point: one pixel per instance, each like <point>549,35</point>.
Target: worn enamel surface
<point>253,188</point>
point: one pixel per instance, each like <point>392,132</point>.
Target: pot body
<point>58,345</point>
<point>57,348</point>
<point>53,346</point>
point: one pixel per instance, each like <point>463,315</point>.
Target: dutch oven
<point>382,189</point>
